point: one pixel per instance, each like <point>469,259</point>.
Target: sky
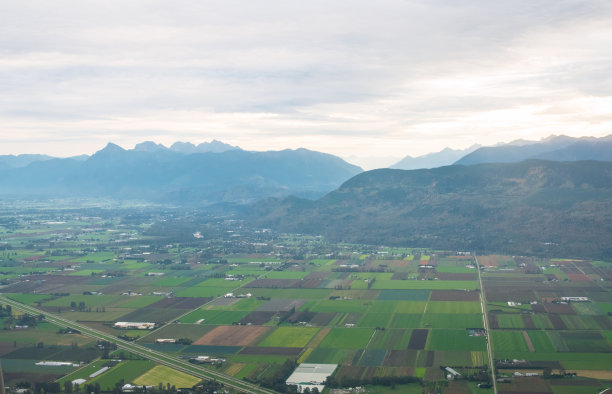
<point>370,81</point>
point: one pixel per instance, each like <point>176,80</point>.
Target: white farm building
<point>134,325</point>
<point>311,375</point>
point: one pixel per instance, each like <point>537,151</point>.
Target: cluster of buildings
<point>127,325</point>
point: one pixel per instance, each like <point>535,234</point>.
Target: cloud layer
<point>347,77</point>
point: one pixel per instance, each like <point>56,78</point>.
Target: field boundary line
<point>485,318</point>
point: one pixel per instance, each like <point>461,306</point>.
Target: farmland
<point>257,302</point>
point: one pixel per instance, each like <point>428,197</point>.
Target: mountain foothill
<point>550,197</point>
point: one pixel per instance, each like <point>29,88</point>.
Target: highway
<point>483,305</point>
<point>159,357</point>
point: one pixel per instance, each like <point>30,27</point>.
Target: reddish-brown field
<point>533,385</point>
<point>487,261</point>
<point>232,336</point>
<point>578,277</point>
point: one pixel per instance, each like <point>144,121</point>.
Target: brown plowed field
<point>272,351</point>
<point>557,322</point>
<point>528,322</point>
<point>323,318</point>
<point>560,309</point>
<point>307,284</point>
<point>400,358</point>
<point>232,336</point>
<point>418,339</point>
<point>487,261</point>
<point>181,302</point>
<point>322,275</point>
<point>459,276</point>
<point>257,318</point>
<point>604,322</point>
<point>431,356</point>
<point>493,321</point>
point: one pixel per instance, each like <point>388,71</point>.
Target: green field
<point>126,371</point>
<point>347,338</point>
<point>441,339</point>
<point>453,307</point>
<point>508,341</point>
<point>367,308</point>
<point>164,375</point>
<point>289,337</point>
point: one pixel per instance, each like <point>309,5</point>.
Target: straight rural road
<point>483,305</point>
<point>158,357</point>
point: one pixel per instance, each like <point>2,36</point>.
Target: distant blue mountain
<point>555,148</point>
<point>432,160</point>
<point>153,172</point>
<point>12,161</point>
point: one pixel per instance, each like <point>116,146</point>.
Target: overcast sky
<point>351,78</point>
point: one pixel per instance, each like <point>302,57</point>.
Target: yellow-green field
<point>164,375</point>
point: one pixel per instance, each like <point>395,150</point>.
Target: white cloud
<point>347,77</point>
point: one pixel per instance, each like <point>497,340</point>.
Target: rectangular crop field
<point>165,375</point>
<point>455,340</point>
<point>289,337</point>
<point>347,338</point>
<point>232,335</point>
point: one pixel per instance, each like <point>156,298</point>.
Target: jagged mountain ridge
<point>163,175</point>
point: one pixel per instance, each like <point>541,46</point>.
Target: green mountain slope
<point>532,207</point>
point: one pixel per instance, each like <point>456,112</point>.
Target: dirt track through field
<point>528,341</point>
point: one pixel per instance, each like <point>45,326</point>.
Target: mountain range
<point>556,148</point>
<point>532,207</point>
<point>445,157</point>
<point>215,173</point>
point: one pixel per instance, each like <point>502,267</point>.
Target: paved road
<point>483,306</point>
<point>158,357</point>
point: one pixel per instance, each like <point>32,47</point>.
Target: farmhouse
<point>311,375</point>
<point>207,360</point>
<point>134,325</point>
<point>57,364</point>
<point>165,340</point>
<point>575,299</point>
